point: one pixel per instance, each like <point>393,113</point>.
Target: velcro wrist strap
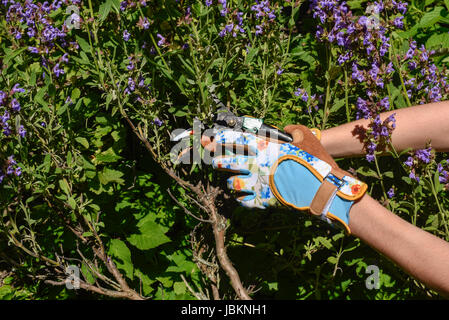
<point>324,197</point>
<point>325,193</point>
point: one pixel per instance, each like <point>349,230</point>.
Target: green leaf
<point>107,156</point>
<point>430,18</point>
<point>104,10</point>
<point>332,260</point>
<point>84,45</point>
<point>367,172</point>
<point>11,54</point>
<point>436,182</point>
<point>355,4</point>
<point>388,174</point>
<point>39,97</point>
<point>251,54</point>
<point>180,113</point>
<point>179,287</point>
<point>85,271</point>
<point>72,203</point>
<point>122,255</point>
<point>437,41</point>
<point>47,163</point>
<point>151,234</point>
<point>83,142</point>
<point>64,185</point>
<point>109,175</point>
<point>337,105</point>
<point>324,241</point>
<point>62,109</point>
<point>146,281</point>
<point>75,94</point>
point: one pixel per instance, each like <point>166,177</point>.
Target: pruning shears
<point>224,118</point>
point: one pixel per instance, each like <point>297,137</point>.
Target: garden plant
<point>91,203</point>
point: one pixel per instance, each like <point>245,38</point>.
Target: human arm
<point>415,126</point>
<point>419,253</point>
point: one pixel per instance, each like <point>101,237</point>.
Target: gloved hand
<point>300,175</point>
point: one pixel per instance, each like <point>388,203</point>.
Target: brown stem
<point>106,292</point>
<point>208,201</point>
<point>186,210</point>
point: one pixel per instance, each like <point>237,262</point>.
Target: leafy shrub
<point>90,92</point>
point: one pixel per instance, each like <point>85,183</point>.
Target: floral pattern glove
<point>275,174</point>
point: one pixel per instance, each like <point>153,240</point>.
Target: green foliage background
<point>86,167</point>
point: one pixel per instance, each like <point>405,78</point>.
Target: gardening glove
<point>300,175</point>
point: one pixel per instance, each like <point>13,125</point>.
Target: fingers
<point>234,163</point>
<point>242,183</point>
<point>250,201</point>
<point>208,144</point>
<point>242,140</point>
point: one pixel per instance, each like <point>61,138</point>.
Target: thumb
<point>304,139</point>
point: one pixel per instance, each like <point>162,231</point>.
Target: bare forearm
<point>415,126</point>
<point>419,253</point>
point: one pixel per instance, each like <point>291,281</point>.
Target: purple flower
<point>344,57</point>
<point>370,157</point>
<point>130,66</point>
<point>208,3</point>
<point>22,131</point>
<point>143,23</point>
<point>15,105</point>
<point>161,41</point>
<point>146,23</point>
<point>158,122</point>
<point>11,160</point>
<point>131,86</point>
<point>390,193</point>
<point>18,171</point>
<point>356,73</point>
<point>412,175</point>
<point>3,97</point>
<point>390,68</point>
<point>412,65</point>
<point>409,162</point>
<point>65,58</point>
<point>17,88</point>
<point>398,22</point>
<point>9,170</point>
<point>385,102</point>
<point>302,93</point>
<point>33,50</point>
<point>57,70</point>
<point>126,35</point>
<point>363,110</point>
<point>400,6</point>
<point>5,117</point>
<point>424,155</point>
